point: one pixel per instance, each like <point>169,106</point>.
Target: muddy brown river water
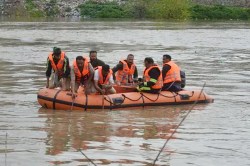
<point>213,134</point>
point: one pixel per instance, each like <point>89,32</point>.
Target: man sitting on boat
<point>82,74</point>
<point>93,59</point>
<point>59,63</point>
<point>103,80</point>
<point>126,71</point>
<point>171,75</point>
<point>151,76</point>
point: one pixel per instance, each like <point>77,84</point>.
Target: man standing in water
<point>59,63</point>
<point>126,71</point>
<point>94,61</point>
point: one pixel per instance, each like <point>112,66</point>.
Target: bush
<point>137,9</point>
<point>32,9</point>
<point>95,9</point>
<point>169,9</point>
<point>219,12</point>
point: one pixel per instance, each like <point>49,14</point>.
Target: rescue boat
<point>125,97</point>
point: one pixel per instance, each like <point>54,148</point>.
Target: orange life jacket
<point>173,74</point>
<point>85,71</point>
<point>158,84</point>
<point>126,74</point>
<point>100,80</point>
<point>59,66</point>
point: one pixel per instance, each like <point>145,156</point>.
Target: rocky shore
<point>66,8</point>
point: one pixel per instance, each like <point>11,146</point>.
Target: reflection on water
<point>110,132</point>
<point>215,134</point>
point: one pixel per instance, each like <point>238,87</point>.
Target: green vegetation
<point>219,12</point>
<point>95,9</point>
<point>169,9</point>
<point>32,9</point>
<point>52,9</point>
<point>161,9</point>
<point>141,9</point>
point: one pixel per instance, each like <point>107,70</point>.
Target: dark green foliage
<point>219,12</point>
<point>32,9</point>
<point>95,9</point>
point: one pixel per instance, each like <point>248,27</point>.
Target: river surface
<point>218,133</point>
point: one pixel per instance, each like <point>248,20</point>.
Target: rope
<point>151,99</point>
<point>169,96</point>
<point>170,86</point>
<point>110,102</point>
<point>132,99</point>
<point>175,129</point>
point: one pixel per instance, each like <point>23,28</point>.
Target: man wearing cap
<point>58,62</point>
<point>103,80</point>
<point>94,61</point>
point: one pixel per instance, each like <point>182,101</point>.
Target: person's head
<point>80,61</point>
<point>56,53</point>
<point>166,58</point>
<point>105,70</point>
<point>148,62</point>
<point>92,55</point>
<point>130,58</point>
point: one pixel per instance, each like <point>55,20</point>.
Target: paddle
<point>73,100</point>
<point>72,105</point>
<point>103,98</point>
<point>102,101</point>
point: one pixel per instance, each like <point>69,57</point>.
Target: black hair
<point>79,58</point>
<point>90,52</point>
<point>130,55</point>
<point>56,51</point>
<point>167,56</point>
<point>105,68</point>
<point>149,60</point>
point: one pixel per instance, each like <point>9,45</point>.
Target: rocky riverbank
<point>66,8</point>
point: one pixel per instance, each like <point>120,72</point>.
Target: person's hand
<point>73,95</point>
<point>141,84</point>
<point>140,80</point>
<point>118,83</point>
<point>102,91</point>
<point>135,81</point>
<point>108,87</point>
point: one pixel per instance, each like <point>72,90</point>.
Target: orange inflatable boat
<point>125,97</point>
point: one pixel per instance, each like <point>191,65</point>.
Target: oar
<point>103,98</point>
<point>72,105</point>
<point>102,101</point>
<point>73,101</point>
